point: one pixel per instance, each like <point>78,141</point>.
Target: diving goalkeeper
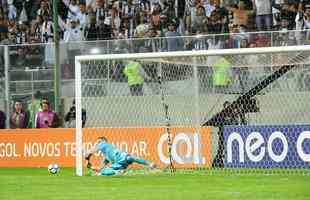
<point>115,161</point>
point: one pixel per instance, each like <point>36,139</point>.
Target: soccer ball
<point>53,168</point>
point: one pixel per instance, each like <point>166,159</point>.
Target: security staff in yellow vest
<point>136,76</point>
<point>221,74</point>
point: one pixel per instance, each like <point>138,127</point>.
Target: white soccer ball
<point>53,168</point>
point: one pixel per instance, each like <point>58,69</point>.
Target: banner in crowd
<point>283,146</point>
<point>40,147</point>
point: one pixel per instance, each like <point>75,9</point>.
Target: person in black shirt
<point>70,117</point>
<point>2,119</point>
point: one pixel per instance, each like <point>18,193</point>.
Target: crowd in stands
<point>31,21</point>
<point>158,21</point>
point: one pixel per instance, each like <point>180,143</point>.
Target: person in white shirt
<point>72,36</point>
<point>82,17</point>
<point>73,7</point>
<point>263,9</point>
<point>12,15</point>
<point>73,32</point>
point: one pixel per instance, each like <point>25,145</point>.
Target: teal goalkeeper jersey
<point>112,154</point>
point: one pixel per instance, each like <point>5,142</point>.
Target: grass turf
<point>35,184</point>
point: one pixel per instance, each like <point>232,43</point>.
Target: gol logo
<point>186,148</point>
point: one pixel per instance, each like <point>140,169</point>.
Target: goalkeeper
<point>118,160</point>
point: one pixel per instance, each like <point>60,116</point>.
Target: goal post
<point>78,115</point>
<point>195,93</point>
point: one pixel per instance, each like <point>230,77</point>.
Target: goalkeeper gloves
<point>89,165</point>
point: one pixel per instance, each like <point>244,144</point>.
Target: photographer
<point>46,118</point>
<point>70,117</point>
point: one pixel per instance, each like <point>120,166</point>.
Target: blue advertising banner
<point>267,146</point>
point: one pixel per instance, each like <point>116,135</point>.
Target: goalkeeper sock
<point>132,159</point>
<point>108,171</point>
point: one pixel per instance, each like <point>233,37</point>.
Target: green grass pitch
<point>37,184</point>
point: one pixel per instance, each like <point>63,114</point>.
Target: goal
<point>238,109</point>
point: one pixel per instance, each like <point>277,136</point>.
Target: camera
<point>46,121</point>
<point>72,109</point>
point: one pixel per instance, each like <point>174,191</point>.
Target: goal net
<point>237,109</point>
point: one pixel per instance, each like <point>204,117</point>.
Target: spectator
<point>140,32</point>
<point>3,33</point>
<point>288,13</point>
<point>34,6</point>
<point>218,23</point>
<point>199,20</point>
<point>83,17</point>
<point>174,41</point>
<point>3,24</point>
<point>70,117</point>
<point>209,7</point>
<point>302,21</point>
<point>12,27</point>
<point>22,34</point>
<point>23,16</point>
<point>222,16</point>
<point>155,17</point>
<point>190,9</point>
<point>12,15</point>
<point>103,14</point>
<point>73,34</point>
<point>8,39</point>
<point>116,16</point>
<point>47,30</point>
<point>46,118</point>
<point>142,27</point>
<point>19,118</point>
<point>263,11</point>
<point>129,12</point>
<point>73,8</point>
<point>45,9</point>
<point>2,119</point>
<point>91,32</point>
<point>144,6</point>
<point>127,28</point>
<point>36,29</point>
<point>169,9</point>
<point>241,15</point>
